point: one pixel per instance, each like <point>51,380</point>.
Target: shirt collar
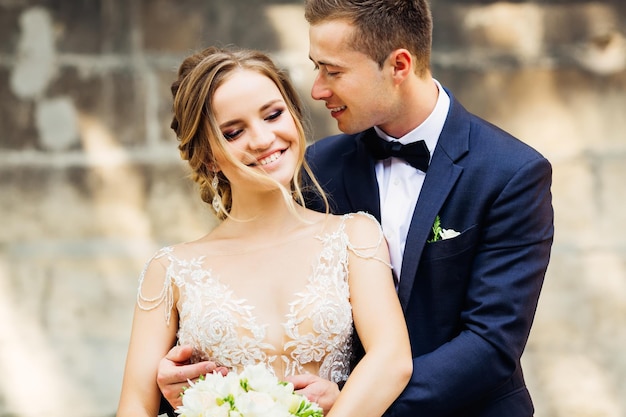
<point>431,128</point>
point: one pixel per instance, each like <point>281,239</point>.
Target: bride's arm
<point>153,334</point>
<point>381,375</point>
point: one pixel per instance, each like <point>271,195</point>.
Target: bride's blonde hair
<point>199,134</point>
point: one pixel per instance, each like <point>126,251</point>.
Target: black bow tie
<point>415,153</point>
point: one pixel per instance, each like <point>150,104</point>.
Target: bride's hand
<point>175,371</point>
<point>315,388</point>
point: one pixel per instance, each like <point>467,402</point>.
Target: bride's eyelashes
<point>275,115</point>
<point>232,134</point>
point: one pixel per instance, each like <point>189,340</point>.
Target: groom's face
<point>356,90</point>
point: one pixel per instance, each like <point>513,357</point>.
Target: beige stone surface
<point>91,183</point>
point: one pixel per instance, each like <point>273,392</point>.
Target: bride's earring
<point>217,200</point>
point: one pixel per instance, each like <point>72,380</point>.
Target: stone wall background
<point>91,184</point>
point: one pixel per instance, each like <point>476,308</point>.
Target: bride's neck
<point>264,215</point>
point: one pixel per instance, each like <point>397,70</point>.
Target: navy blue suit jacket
<point>469,301</point>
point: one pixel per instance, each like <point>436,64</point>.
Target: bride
<point>274,282</point>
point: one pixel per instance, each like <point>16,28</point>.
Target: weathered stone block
<point>111,105</point>
<point>165,101</point>
<point>575,204</point>
<point>17,119</point>
<point>610,195</point>
<point>9,29</point>
<point>174,207</point>
<point>172,27</point>
<point>74,317</point>
<point>94,27</point>
<point>590,35</point>
<point>219,22</point>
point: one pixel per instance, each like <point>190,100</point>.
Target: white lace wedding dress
<point>287,305</point>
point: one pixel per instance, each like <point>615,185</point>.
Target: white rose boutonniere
<point>439,233</point>
<point>256,392</point>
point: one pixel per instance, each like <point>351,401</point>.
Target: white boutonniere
<point>439,233</point>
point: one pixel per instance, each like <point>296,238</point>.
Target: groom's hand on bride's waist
<point>315,388</point>
<point>175,371</point>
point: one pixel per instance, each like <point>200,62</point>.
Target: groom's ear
<point>401,62</point>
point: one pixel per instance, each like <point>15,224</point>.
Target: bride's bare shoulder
<point>351,222</point>
<point>193,248</point>
<point>362,227</point>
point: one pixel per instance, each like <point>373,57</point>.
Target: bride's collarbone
<point>225,243</point>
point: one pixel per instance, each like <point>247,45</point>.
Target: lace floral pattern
<point>318,326</point>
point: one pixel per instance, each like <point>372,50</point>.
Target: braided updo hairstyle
<point>195,125</point>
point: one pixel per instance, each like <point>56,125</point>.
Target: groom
<point>469,294</point>
<point>469,300</point>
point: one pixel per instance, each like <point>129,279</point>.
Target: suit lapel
<point>442,174</point>
<point>360,179</point>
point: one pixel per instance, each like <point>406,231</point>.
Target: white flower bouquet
<point>256,392</point>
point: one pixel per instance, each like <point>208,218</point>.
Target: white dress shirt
<point>399,183</point>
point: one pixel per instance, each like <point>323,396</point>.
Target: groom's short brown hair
<point>381,26</point>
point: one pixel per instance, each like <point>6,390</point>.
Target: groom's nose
<point>320,90</point>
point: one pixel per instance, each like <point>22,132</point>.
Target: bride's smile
<point>268,159</point>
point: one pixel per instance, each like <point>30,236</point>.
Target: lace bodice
<point>315,330</point>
